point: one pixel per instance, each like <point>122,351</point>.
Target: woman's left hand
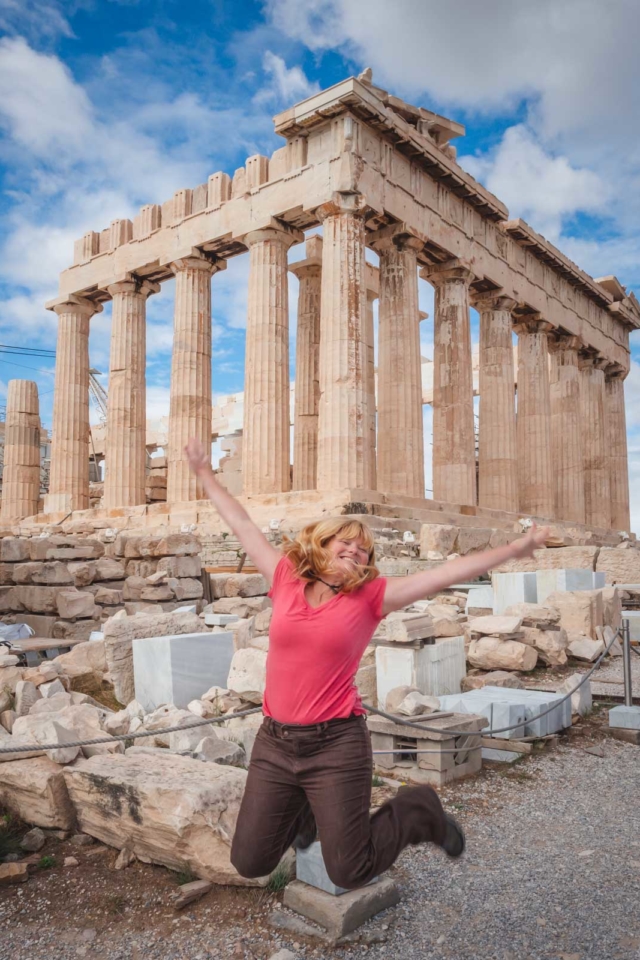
<point>526,546</point>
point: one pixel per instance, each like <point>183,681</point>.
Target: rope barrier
<point>97,741</point>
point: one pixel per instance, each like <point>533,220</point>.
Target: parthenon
<point>374,172</point>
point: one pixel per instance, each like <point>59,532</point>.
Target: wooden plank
<point>39,644</point>
<point>515,746</point>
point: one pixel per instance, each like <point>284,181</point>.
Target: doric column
<point>69,475</point>
<point>125,465</point>
<point>597,489</point>
<point>400,430</point>
<point>454,457</point>
<point>344,429</point>
<point>616,433</point>
<point>190,391</point>
<point>566,425</point>
<point>305,424</point>
<point>265,445</point>
<point>533,419</point>
<point>370,378</point>
<point>21,474</point>
<point>497,447</point>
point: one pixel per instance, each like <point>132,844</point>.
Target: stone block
<point>107,596</point>
<point>220,619</point>
<point>214,750</point>
<point>510,588</point>
<point>495,678</point>
<point>141,568</point>
<point>83,572</point>
<point>14,550</point>
<point>185,588</point>
<point>107,568</point>
<point>495,626</point>
<point>404,627</point>
<point>83,660</point>
<point>179,668</point>
<point>241,606</point>
<point>490,653</point>
<point>52,572</point>
<point>581,612</point>
<point>80,630</point>
<point>341,915</point>
<point>311,869</point>
<point>472,540</point>
<point>612,607</point>
<point>26,694</point>
<point>6,574</point>
<point>618,565</point>
<point>434,669</point>
<point>35,790</point>
<point>173,544</point>
<point>584,648</point>
<point>581,697</point>
<point>160,592</point>
<point>569,558</point>
<point>550,644</point>
<point>552,581</point>
<point>189,566</point>
<point>479,598</point>
<point>38,599</point>
<point>624,717</point>
<point>535,614</point>
<point>247,674</point>
<point>10,601</point>
<point>73,603</point>
<point>238,585</point>
<point>436,540</point>
<point>366,681</point>
<point>24,572</point>
<point>165,809</point>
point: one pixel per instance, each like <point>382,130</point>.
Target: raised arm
<point>263,554</point>
<point>401,591</point>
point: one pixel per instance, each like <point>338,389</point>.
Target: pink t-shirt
<point>314,652</point>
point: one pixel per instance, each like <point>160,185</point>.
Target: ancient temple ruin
<point>375,172</point>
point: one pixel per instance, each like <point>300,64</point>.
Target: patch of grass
<point>10,830</point>
<point>184,876</point>
<point>46,862</point>
<point>377,781</point>
<point>100,690</point>
<point>116,902</point>
<point>279,878</point>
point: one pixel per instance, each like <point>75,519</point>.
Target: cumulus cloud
<point>285,84</point>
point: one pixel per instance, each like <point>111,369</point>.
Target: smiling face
<point>347,555</point>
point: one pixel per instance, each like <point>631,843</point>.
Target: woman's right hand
<point>197,456</point>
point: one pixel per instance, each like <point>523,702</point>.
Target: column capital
<point>197,260</point>
<point>74,304</point>
<point>133,284</point>
<point>397,236</point>
<point>448,272</point>
<point>615,371</point>
<point>531,323</point>
<point>486,300</point>
<point>353,203</point>
<point>592,362</point>
<point>306,268</point>
<point>560,342</point>
<point>281,232</point>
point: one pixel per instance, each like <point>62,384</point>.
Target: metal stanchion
<point>625,719</point>
<point>626,663</point>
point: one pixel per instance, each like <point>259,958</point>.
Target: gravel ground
<point>552,872</point>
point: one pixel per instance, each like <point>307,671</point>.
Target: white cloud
<point>535,185</point>
<point>286,84</point>
<point>40,19</point>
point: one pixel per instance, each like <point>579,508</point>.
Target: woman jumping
<point>311,765</point>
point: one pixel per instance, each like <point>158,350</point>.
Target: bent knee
<point>250,864</point>
<point>349,876</point>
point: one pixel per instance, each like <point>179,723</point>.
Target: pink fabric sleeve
<point>375,595</point>
<point>283,571</point>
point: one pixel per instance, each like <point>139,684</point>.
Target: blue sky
<point>109,104</point>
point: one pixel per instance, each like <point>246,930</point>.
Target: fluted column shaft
<point>566,426</point>
<point>497,446</point>
<point>69,475</point>
<point>454,458</point>
<point>400,430</point>
<point>265,445</point>
<point>190,391</point>
<point>597,490</point>
<point>305,424</point>
<point>370,388</point>
<point>125,465</point>
<point>616,432</point>
<point>21,474</point>
<point>533,419</point>
<point>344,431</point>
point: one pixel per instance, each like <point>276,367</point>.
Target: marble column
<point>21,474</point>
<point>454,456</point>
<point>597,489</point>
<point>370,381</point>
<point>344,426</point>
<point>566,423</point>
<point>265,445</point>
<point>190,390</point>
<point>305,423</point>
<point>126,455</point>
<point>533,419</point>
<point>616,432</point>
<point>69,474</point>
<point>497,446</point>
<point>400,429</point>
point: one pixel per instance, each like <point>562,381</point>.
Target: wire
<point>24,366</point>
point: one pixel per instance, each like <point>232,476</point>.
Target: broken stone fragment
<point>190,892</point>
<point>550,644</point>
<point>584,648</point>
<point>415,704</point>
<point>52,688</point>
<point>492,653</point>
<point>33,840</point>
<point>495,678</point>
<point>124,859</point>
<point>401,627</point>
<point>214,750</point>
<point>35,790</point>
<point>73,603</point>
<point>248,674</point>
<point>495,626</point>
<point>581,697</point>
<point>11,873</point>
<point>26,694</point>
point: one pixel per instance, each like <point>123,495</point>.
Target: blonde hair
<point>312,561</point>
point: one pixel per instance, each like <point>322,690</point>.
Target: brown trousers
<point>325,771</point>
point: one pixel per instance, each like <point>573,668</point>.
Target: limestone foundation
<point>497,447</point>
<point>533,421</point>
<point>124,481</point>
<point>454,457</point>
<point>21,475</point>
